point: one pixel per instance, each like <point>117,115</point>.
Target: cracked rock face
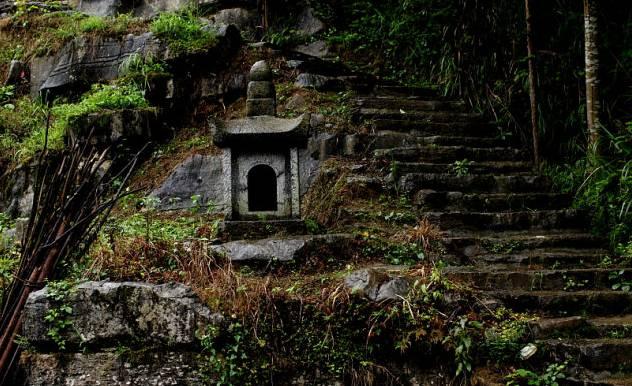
<point>106,314</point>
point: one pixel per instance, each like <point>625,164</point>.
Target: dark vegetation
<point>477,50</point>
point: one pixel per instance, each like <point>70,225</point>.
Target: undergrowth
<point>603,185</point>
<point>24,126</point>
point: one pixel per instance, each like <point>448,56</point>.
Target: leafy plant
<point>552,376</point>
<point>461,168</point>
<point>619,281</point>
<point>58,315</point>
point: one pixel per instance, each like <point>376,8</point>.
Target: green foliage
<point>58,315</point>
<point>503,246</point>
<point>286,37</point>
<point>93,24</point>
<point>503,341</point>
<point>552,376</point>
<point>619,281</point>
<point>398,38</point>
<point>183,32</point>
<point>140,70</point>
<point>461,338</point>
<point>461,168</point>
<point>393,253</point>
<point>228,360</point>
<point>101,97</point>
<point>19,122</point>
<point>6,94</point>
<point>603,184</point>
<point>313,227</point>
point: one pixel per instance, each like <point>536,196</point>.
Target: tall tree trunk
<point>593,106</point>
<point>535,129</point>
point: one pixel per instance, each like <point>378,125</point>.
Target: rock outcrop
<point>119,334</point>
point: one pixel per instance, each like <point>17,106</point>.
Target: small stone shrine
<point>261,155</point>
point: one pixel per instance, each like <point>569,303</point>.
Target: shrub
<point>183,32</point>
<point>93,24</point>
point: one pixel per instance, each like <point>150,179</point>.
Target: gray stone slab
<point>277,249</point>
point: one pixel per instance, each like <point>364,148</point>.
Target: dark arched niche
<point>262,189</point>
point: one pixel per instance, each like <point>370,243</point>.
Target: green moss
<point>183,32</point>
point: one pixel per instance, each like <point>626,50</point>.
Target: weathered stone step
<point>593,302</point>
<point>582,327</point>
<point>409,104</point>
<point>361,143</point>
<point>475,244</point>
<point>488,167</point>
<point>608,379</point>
<point>594,354</point>
<point>449,154</point>
<point>425,127</point>
<point>405,91</point>
<point>541,280</point>
<point>413,182</point>
<point>537,219</point>
<point>561,258</point>
<point>428,116</point>
<point>494,202</point>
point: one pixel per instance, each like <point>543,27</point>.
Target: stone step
<point>409,104</point>
<point>514,244</point>
<point>594,302</point>
<point>231,230</point>
<point>451,154</point>
<point>545,258</point>
<point>383,140</point>
<point>489,278</point>
<point>429,200</point>
<point>413,182</point>
<point>582,327</point>
<point>363,114</point>
<point>607,379</point>
<point>405,91</point>
<point>425,127</point>
<point>537,219</point>
<point>594,354</point>
<point>488,167</point>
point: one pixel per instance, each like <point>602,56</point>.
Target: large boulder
<point>106,314</point>
<point>199,176</point>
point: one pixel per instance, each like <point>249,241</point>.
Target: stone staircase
<point>506,231</point>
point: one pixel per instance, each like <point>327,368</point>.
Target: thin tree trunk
<point>535,129</point>
<point>593,106</point>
